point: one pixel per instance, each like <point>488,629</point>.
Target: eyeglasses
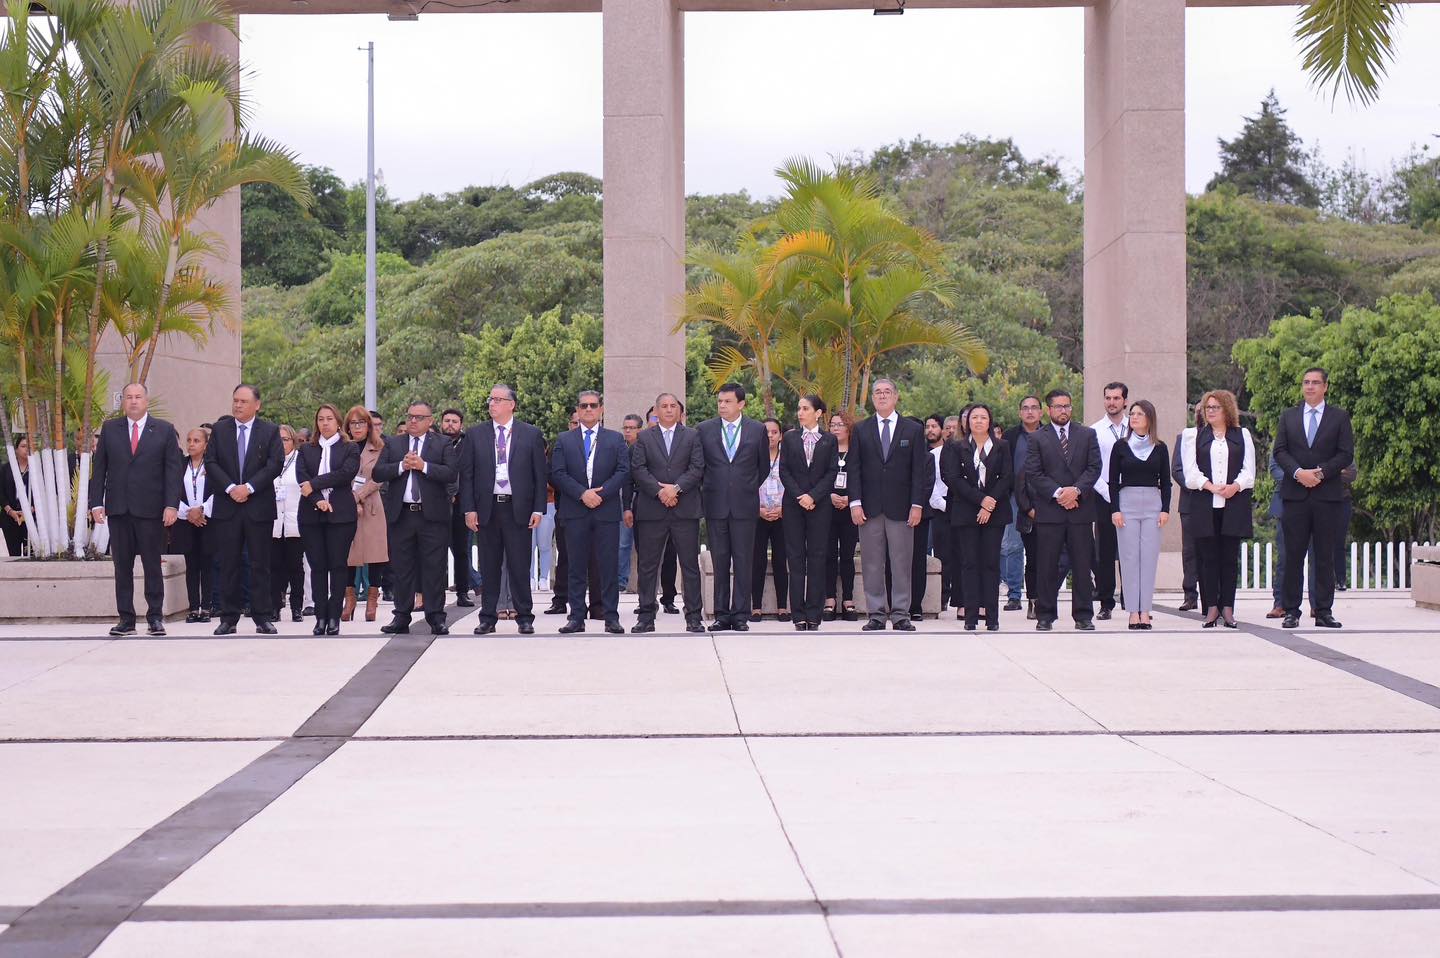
<point>500,399</point>
<point>1212,407</point>
<point>419,417</point>
<point>587,405</point>
<point>1060,408</point>
<point>358,422</point>
<point>1030,408</point>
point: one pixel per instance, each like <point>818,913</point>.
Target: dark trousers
<point>1107,552</point>
<point>670,565</point>
<point>807,539</point>
<point>287,571</point>
<point>131,536</point>
<point>1342,555</point>
<point>732,549</point>
<point>657,542</point>
<point>919,567</point>
<point>769,535</point>
<point>199,582</point>
<point>417,562</point>
<point>560,581</point>
<point>1032,555</point>
<point>1189,563</point>
<point>980,554</point>
<point>840,555</point>
<point>460,553</point>
<point>505,543</point>
<point>1078,539</point>
<point>253,537</point>
<point>587,539</point>
<point>943,542</point>
<point>327,546</point>
<point>1218,558</point>
<point>1307,523</point>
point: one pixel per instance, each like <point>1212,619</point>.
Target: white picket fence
<point>1378,566</point>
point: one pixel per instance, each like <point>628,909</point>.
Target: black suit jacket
<point>1333,450</point>
<point>264,461</point>
<point>889,487</point>
<point>609,472</point>
<point>957,468</point>
<point>528,469</point>
<point>344,466</point>
<point>1048,470</point>
<point>817,480</point>
<point>650,467</point>
<point>143,485</point>
<point>732,489</point>
<point>433,484</point>
<point>1177,473</point>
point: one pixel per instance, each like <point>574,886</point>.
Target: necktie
<point>980,465</point>
<point>811,438</point>
<point>500,455</point>
<point>588,434</point>
<point>668,436</point>
<point>1313,425</point>
<point>134,437</point>
<point>885,439</point>
<point>1065,441</point>
<point>244,445</point>
<point>411,494</point>
<point>1115,431</point>
<point>730,429</point>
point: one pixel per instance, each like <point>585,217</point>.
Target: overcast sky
<point>505,98</point>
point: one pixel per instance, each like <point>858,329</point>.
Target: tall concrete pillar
<point>644,202</point>
<point>1135,206</point>
<point>191,384</point>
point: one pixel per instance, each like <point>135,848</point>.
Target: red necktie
<point>134,437</point>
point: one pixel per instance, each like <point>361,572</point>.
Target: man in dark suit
<point>135,485</point>
<point>1030,409</point>
<point>1313,444</point>
<point>589,468</point>
<point>452,427</point>
<point>242,462</point>
<point>891,478</point>
<point>502,493</point>
<point>737,460</point>
<point>420,465</point>
<point>666,468</point>
<point>1061,467</point>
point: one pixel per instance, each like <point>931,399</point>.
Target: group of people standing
<point>1082,499</point>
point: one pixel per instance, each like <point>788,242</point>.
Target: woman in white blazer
<point>287,555</point>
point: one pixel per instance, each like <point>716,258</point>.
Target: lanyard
<point>195,474</point>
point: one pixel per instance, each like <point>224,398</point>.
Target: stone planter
<point>930,606</point>
<point>78,591</point>
<point>1425,577</point>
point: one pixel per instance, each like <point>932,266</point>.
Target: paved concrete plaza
<point>1178,792</point>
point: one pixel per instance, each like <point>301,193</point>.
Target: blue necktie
<point>1313,425</point>
<point>588,434</point>
<point>730,444</point>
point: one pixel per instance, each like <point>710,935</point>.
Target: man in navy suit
<point>135,488</point>
<point>589,470</point>
<point>502,494</point>
<point>737,461</point>
<point>1061,466</point>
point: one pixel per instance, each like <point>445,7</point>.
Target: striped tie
<point>1065,441</point>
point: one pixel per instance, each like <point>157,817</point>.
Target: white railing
<point>1381,566</point>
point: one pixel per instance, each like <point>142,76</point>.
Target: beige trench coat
<point>371,543</point>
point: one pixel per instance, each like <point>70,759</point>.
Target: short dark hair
<point>1324,376</point>
<point>589,392</point>
<point>734,389</point>
<point>1028,396</point>
<point>509,389</point>
<point>1055,394</point>
<point>453,412</point>
<point>420,402</point>
<point>939,419</point>
<point>254,391</point>
<point>1117,384</point>
<point>778,424</point>
<point>375,414</point>
<point>634,417</point>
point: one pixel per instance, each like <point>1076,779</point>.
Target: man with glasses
<point>1314,443</point>
<point>452,427</point>
<point>589,468</point>
<point>1017,547</point>
<point>1061,466</point>
<point>419,466</point>
<point>502,495</point>
<point>737,462</point>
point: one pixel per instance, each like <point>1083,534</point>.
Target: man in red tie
<point>135,488</point>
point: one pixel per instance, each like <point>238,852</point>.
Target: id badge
<point>840,481</point>
<point>280,492</point>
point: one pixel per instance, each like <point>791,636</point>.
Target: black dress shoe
<point>386,595</point>
<point>905,625</point>
<point>640,628</point>
<point>1013,605</point>
<point>265,628</point>
<point>695,627</point>
<point>1327,621</point>
<point>828,615</point>
<point>1103,614</point>
<point>572,626</point>
<point>1030,610</point>
<point>719,625</point>
<point>1229,623</point>
<point>1041,625</point>
<point>464,601</point>
<point>740,626</point>
<point>320,625</point>
<point>874,625</point>
<point>756,616</point>
<point>1146,626</point>
<point>1085,626</point>
<point>614,627</point>
<point>849,614</point>
<point>970,626</point>
<point>439,628</point>
<point>1290,622</point>
<point>992,627</point>
<point>1210,623</point>
<point>123,628</point>
<point>308,610</point>
<point>527,629</point>
<point>669,608</point>
<point>485,628</point>
<point>556,608</point>
<point>194,617</point>
<point>297,617</point>
<point>1189,605</point>
<point>782,616</point>
<point>155,625</point>
<point>225,627</point>
<point>396,628</point>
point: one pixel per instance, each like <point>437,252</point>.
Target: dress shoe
<point>719,625</point>
<point>992,627</point>
<point>308,610</point>
<point>244,611</point>
<point>572,626</point>
<point>1133,626</point>
<point>263,627</point>
<point>782,616</point>
<point>1103,614</point>
<point>387,595</point>
<point>155,625</point>
<point>485,628</point>
<point>1327,621</point>
<point>1189,605</point>
<point>1030,609</point>
<point>756,616</point>
<point>1291,622</point>
<point>874,625</point>
<point>194,617</point>
<point>849,614</point>
<point>123,628</point>
<point>1210,623</point>
<point>556,608</point>
<point>1341,587</point>
<point>1147,626</point>
<point>225,628</point>
<point>464,601</point>
<point>802,626</point>
<point>319,629</point>
<point>1275,613</point>
<point>1085,625</point>
<point>1043,625</point>
<point>828,615</point>
<point>669,608</point>
<point>970,627</point>
<point>695,627</point>
<point>640,628</point>
<point>904,625</point>
<point>740,626</point>
<point>1013,605</point>
<point>439,628</point>
<point>1229,623</point>
<point>396,627</point>
<point>527,629</point>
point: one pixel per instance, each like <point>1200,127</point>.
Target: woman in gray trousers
<point>1139,507</point>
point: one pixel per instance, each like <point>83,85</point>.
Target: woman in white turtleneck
<point>1139,508</point>
<point>328,464</point>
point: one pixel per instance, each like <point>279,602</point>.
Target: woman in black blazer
<point>809,462</point>
<point>980,475</point>
<point>326,466</point>
<point>1220,459</point>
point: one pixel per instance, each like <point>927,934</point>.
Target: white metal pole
<point>371,400</point>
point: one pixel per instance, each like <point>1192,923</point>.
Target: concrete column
<point>644,203</point>
<point>192,384</point>
<point>1135,208</point>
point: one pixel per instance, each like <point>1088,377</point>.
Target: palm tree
<point>1348,44</point>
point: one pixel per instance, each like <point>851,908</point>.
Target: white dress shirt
<point>1305,421</point>
<point>412,490</point>
<point>937,497</point>
<point>894,420</point>
<point>1107,433</point>
<point>502,469</point>
<point>1219,464</point>
<point>249,425</point>
<point>191,485</point>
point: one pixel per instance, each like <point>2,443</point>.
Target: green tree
<point>338,297</point>
<point>1266,160</point>
<point>546,359</point>
<point>1347,44</point>
<point>281,244</point>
